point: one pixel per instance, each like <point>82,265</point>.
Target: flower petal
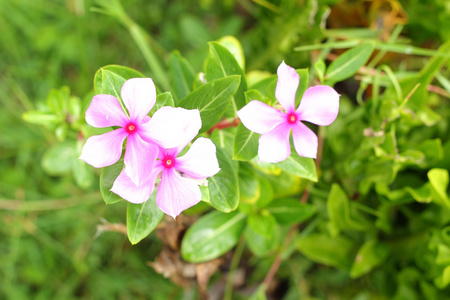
<point>176,193</point>
<point>103,150</point>
<point>287,86</point>
<point>139,96</point>
<point>319,105</point>
<point>125,188</point>
<point>260,117</point>
<point>172,127</point>
<point>105,111</point>
<point>274,145</point>
<point>140,157</point>
<point>200,161</point>
<point>305,140</point>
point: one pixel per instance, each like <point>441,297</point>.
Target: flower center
<point>131,127</point>
<point>292,118</point>
<point>168,162</point>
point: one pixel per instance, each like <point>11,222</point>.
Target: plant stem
<point>233,268</point>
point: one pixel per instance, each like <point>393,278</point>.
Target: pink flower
<point>319,105</point>
<point>142,133</point>
<point>180,176</point>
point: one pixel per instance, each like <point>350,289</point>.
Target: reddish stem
<point>225,124</point>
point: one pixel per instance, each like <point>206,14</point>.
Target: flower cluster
<point>153,145</point>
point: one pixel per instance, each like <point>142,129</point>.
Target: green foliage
<point>375,224</point>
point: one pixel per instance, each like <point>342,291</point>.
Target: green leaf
<point>338,207</point>
<point>211,236</point>
<point>253,94</point>
<point>302,86</point>
<point>235,48</point>
<point>245,146</point>
<point>260,293</point>
<point>348,63</point>
<point>40,118</point>
<point>59,159</point>
<point>249,187</point>
<point>224,139</point>
<point>107,178</point>
<point>110,79</point>
<point>331,251</point>
<point>224,187</point>
<point>142,218</point>
<point>262,244</point>
<point>211,99</point>
<point>82,172</point>
<point>439,182</point>
<point>299,166</point>
<point>262,223</point>
<point>370,255</point>
<point>320,68</point>
<point>290,211</point>
<point>163,99</point>
<point>443,280</point>
<point>221,63</point>
<point>181,75</point>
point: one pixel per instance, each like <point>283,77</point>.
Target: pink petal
<point>319,105</point>
<point>105,111</point>
<point>172,127</point>
<point>140,157</point>
<point>125,188</point>
<point>139,96</point>
<point>176,193</point>
<point>200,161</point>
<point>274,145</point>
<point>305,140</point>
<point>287,86</point>
<point>103,150</point>
<point>259,117</point>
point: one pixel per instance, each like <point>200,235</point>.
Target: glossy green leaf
<point>444,280</point>
<point>110,79</point>
<point>107,178</point>
<point>330,251</point>
<point>211,236</point>
<point>262,223</point>
<point>439,180</point>
<point>348,63</point>
<point>249,187</point>
<point>370,255</point>
<point>260,293</point>
<point>338,206</point>
<point>181,75</point>
<point>253,94</point>
<point>142,218</point>
<point>163,99</point>
<point>302,86</point>
<point>290,211</point>
<point>221,63</point>
<point>224,186</point>
<point>262,244</point>
<point>235,48</point>
<point>212,99</point>
<point>245,146</point>
<point>224,139</point>
<point>300,166</point>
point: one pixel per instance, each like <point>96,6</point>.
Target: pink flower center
<point>292,118</point>
<point>131,127</point>
<point>168,162</point>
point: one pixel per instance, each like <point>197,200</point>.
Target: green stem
<point>233,268</point>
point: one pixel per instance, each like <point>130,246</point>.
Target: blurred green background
<point>50,245</point>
